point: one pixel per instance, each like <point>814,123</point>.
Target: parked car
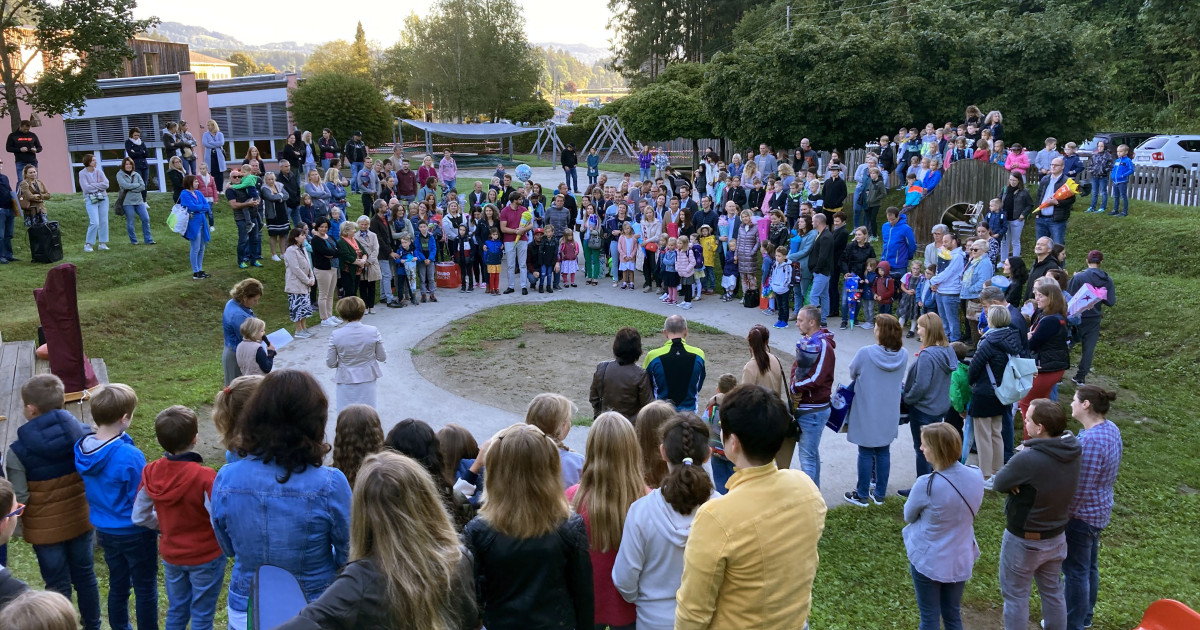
<point>1178,152</point>
<point>1112,140</point>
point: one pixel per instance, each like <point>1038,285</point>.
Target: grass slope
<point>159,331</point>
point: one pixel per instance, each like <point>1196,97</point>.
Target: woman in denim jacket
<point>278,505</point>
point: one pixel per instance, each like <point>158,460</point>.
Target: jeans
<point>385,279</point>
<point>613,259</point>
<point>1023,561</point>
<point>722,470</point>
<point>97,221</point>
<point>142,212</point>
<point>812,424</point>
<point>192,593</point>
<point>1089,335</point>
<point>879,460</point>
<point>1099,186</point>
<point>783,305</point>
<point>355,167</point>
<point>643,173</point>
<point>1120,193</point>
<point>968,433</point>
<point>571,174</point>
<point>820,294</point>
<point>196,256</point>
<point>709,283</point>
<point>247,232</point>
<point>324,166</point>
<point>1081,572</point>
<point>947,306</point>
<point>294,216</point>
<point>189,165</point>
<point>428,277</point>
<point>144,171</point>
<point>132,559</point>
<point>515,266</point>
<point>938,602</point>
<point>6,234</point>
<point>1011,245</point>
<point>917,420</point>
<point>449,183</point>
<point>70,563</point>
<point>1056,230</point>
<point>545,278</point>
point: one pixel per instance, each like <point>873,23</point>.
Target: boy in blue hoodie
<point>111,467</point>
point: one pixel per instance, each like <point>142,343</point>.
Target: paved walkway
<point>404,393</point>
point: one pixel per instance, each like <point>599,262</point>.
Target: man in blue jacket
<point>899,242</point>
<point>948,285</point>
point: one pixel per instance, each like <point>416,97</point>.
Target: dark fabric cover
<point>58,309</point>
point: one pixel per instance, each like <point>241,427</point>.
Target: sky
<point>315,21</point>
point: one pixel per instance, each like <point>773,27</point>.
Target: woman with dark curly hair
<point>621,384</point>
<point>417,440</point>
<point>278,505</point>
<point>358,434</point>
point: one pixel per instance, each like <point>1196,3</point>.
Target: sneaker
<point>844,324</point>
<point>276,257</point>
<point>853,499</point>
<point>462,289</point>
<point>781,324</point>
<point>910,334</point>
<point>302,334</point>
<point>337,320</point>
<point>395,304</point>
<point>103,247</point>
<point>152,242</point>
<point>255,263</point>
<point>195,275</point>
<point>87,247</point>
<point>329,323</point>
<point>866,325</point>
<point>204,274</point>
<point>616,283</point>
<point>241,265</point>
<point>524,291</point>
<point>509,290</point>
<point>904,493</point>
<point>664,297</point>
<point>1078,381</point>
<point>432,297</point>
<point>989,483</point>
<point>877,500</point>
<point>685,305</point>
<point>551,290</point>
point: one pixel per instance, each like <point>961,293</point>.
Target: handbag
<point>839,408</point>
<point>595,240</point>
<point>96,197</point>
<point>652,246</point>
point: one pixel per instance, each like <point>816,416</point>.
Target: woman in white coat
<point>355,351</point>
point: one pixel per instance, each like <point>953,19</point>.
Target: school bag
<point>1015,381</point>
<point>45,240</point>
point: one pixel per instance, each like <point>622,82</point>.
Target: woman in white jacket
<point>649,565</point>
<point>298,281</point>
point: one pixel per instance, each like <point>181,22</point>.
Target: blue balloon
<point>524,172</point>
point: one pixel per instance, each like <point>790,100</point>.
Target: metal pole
<point>789,17</point>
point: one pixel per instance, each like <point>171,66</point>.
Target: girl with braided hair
<point>649,565</point>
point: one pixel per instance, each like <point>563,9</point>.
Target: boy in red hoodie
<point>174,498</point>
<point>884,287</point>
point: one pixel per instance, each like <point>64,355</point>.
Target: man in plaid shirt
<point>1091,508</point>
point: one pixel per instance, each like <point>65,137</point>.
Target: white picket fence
<point>1164,185</point>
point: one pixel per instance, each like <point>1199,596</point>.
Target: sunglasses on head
<point>17,512</point>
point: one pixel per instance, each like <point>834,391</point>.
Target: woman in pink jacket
<point>448,170</point>
<point>1017,160</point>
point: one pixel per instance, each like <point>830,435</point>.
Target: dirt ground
<point>508,373</point>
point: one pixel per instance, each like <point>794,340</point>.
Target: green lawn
<point>159,331</point>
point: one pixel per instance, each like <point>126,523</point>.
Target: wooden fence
<point>1162,185</point>
<point>965,182</point>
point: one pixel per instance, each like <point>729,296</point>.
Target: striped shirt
<point>1101,458</point>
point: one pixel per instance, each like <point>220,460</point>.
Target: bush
<point>344,104</point>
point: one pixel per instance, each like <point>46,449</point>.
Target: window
<point>1191,146</point>
<point>1156,142</point>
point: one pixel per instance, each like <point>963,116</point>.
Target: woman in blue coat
<point>798,249</point>
<point>199,221</point>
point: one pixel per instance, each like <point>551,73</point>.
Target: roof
<point>201,58</point>
<point>480,130</point>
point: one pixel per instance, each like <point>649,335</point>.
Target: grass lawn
<point>159,331</point>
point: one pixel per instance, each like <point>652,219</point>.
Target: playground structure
<point>609,136</point>
<point>489,137</point>
<point>548,140</point>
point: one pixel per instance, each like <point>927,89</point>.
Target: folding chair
<point>276,597</point>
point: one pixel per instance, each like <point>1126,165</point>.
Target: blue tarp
<point>470,131</point>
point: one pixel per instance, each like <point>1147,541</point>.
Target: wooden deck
<point>17,365</point>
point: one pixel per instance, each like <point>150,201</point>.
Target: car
<point>1180,152</point>
<point>1112,140</point>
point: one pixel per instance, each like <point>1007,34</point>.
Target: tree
<point>338,57</point>
<point>530,112</point>
<point>245,65</point>
<point>78,42</point>
<point>343,103</point>
<point>667,110</point>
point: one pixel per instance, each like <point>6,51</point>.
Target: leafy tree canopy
<point>343,103</point>
<point>247,65</point>
<point>534,111</point>
<point>338,57</point>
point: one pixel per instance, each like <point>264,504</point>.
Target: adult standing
<point>840,239</point>
<point>1089,320</point>
<point>1091,508</point>
<point>1052,220</point>
<point>355,351</point>
<point>324,259</point>
<point>24,145</point>
<point>94,185</point>
<point>806,158</point>
<point>381,225</point>
<point>947,283</point>
<point>746,239</point>
<point>368,244</point>
<point>309,154</point>
<point>275,198</point>
<point>351,258</point>
<point>899,242</point>
<point>199,221</point>
<point>406,183</point>
<point>299,280</point>
<point>765,163</point>
<point>135,149</point>
<point>620,384</point>
<point>134,203</point>
<point>516,244</point>
<point>799,248</point>
<point>243,297</point>
<point>1043,248</point>
<point>940,535</point>
<point>187,147</point>
<point>245,215</point>
<point>329,148</point>
<point>651,229</point>
<point>1099,168</point>
<point>833,192</point>
<point>878,371</point>
<point>676,369</point>
<point>447,170</point>
<point>811,385</point>
<point>766,370</point>
<point>570,163</point>
<point>8,212</point>
<point>927,384</point>
<point>355,153</point>
<point>822,264</point>
<point>1040,481</point>
<point>978,271</point>
<point>280,479</point>
<point>931,250</point>
<point>1000,342</point>
<point>1048,341</point>
<point>213,143</point>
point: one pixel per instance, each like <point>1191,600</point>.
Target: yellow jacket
<point>751,556</point>
<point>709,245</point>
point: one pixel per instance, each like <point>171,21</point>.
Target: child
<point>1121,171</point>
<point>698,274</point>
<point>495,184</point>
<point>781,285</point>
<point>866,299</point>
<point>910,309</point>
<point>227,406</point>
<point>40,610</point>
<point>359,434</point>
<point>927,296</point>
<point>406,271</point>
<point>627,249</point>
<point>729,278</point>
<point>960,396</point>
<point>568,257</point>
<point>852,292</point>
<point>335,221</point>
<point>253,356</point>
<point>670,277</point>
<point>883,287</point>
<point>41,466</point>
<point>461,465</point>
<point>463,256</point>
<point>543,258</point>
<point>426,250</point>
<point>708,245</point>
<point>493,254</point>
<point>722,468</point>
<point>685,266</point>
<point>173,499</point>
<point>552,414</point>
<point>111,467</point>
<point>658,266</point>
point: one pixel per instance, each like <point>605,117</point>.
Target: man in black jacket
<point>291,183</point>
<point>356,154</point>
<point>24,145</point>
<point>328,147</point>
<point>833,192</point>
<point>1052,220</point>
<point>569,162</point>
<point>841,237</point>
<point>821,263</point>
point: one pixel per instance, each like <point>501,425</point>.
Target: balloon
<point>524,172</point>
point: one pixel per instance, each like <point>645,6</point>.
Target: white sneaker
<point>663,297</point>
<point>103,247</point>
<point>329,323</point>
<point>336,320</point>
<point>302,334</point>
<point>685,305</point>
<point>275,257</point>
<point>989,483</point>
<point>87,247</point>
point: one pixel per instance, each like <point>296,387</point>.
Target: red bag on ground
<point>447,275</point>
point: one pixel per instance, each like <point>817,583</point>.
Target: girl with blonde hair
<point>649,423</point>
<point>531,552</point>
<point>406,569</point>
<point>611,482</point>
<point>227,406</point>
<point>40,610</point>
<point>552,414</point>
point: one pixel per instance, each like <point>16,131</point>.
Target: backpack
<point>1016,380</point>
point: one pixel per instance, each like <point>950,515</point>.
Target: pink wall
<point>53,161</point>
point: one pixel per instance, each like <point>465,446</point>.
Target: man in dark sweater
<point>1089,320</point>
<point>569,162</point>
<point>841,237</point>
<point>1040,482</point>
<point>24,145</point>
<point>833,192</point>
<point>821,263</point>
